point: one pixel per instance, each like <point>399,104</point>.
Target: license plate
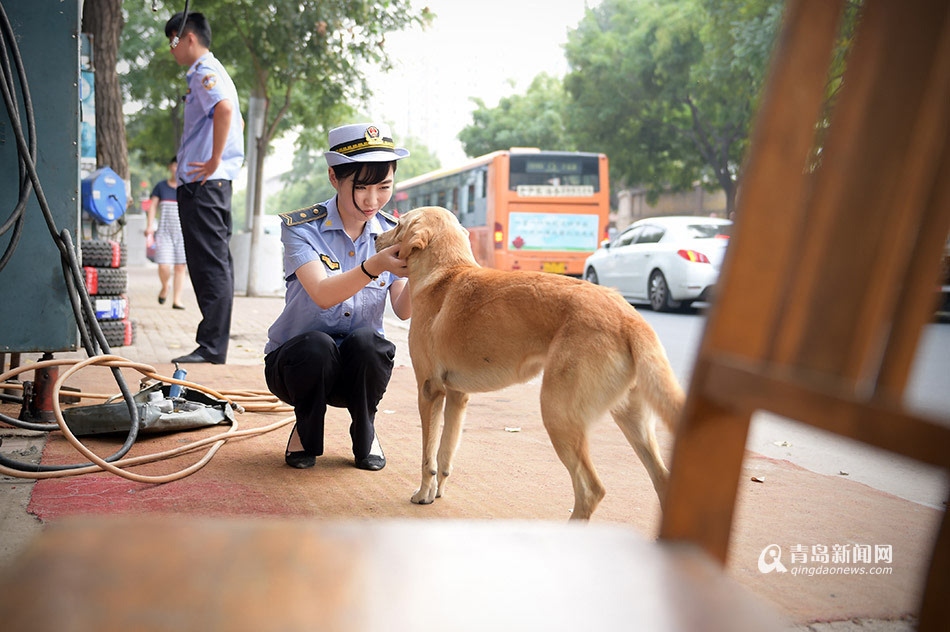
<point>557,267</point>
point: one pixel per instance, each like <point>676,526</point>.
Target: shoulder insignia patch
<point>303,215</point>
<point>391,218</point>
<point>330,263</point>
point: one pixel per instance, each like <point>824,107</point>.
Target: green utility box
<point>35,311</point>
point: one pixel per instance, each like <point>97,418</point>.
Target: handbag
<point>151,248</point>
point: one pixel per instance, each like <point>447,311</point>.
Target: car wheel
<point>659,293</point>
<point>591,275</point>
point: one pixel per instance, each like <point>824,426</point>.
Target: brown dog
<point>475,330</point>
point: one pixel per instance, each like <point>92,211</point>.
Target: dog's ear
<point>415,236</point>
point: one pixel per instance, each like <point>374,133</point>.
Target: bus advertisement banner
<point>552,232</point>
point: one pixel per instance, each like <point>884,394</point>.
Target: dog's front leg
<point>455,404</point>
<point>430,412</point>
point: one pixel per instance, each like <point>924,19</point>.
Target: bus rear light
<point>694,256</point>
<point>499,236</point>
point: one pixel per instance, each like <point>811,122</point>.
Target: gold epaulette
<point>303,215</point>
<point>391,218</point>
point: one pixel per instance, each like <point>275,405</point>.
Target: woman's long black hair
<point>363,173</point>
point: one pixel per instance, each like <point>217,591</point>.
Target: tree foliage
<point>535,119</point>
<point>668,89</point>
<point>305,59</point>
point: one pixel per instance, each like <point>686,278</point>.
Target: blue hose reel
<point>103,195</point>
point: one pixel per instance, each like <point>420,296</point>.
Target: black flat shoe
<point>373,463</point>
<point>161,300</point>
<point>300,459</point>
<point>177,306</point>
<point>375,460</point>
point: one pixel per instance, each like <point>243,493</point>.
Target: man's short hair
<point>197,23</point>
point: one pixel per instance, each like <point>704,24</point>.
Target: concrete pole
<point>255,116</point>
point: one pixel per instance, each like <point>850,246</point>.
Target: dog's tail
<point>656,380</point>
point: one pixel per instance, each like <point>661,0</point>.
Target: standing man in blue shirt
<point>209,158</point>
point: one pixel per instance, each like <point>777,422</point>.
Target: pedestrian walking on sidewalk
<point>328,347</point>
<point>169,243</point>
<point>209,158</point>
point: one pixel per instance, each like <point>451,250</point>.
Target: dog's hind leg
<point>567,428</point>
<point>430,412</point>
<point>639,426</point>
<point>455,404</point>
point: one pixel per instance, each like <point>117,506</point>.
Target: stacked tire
<point>107,280</point>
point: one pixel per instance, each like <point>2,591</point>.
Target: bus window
<point>554,174</point>
<point>441,199</point>
<point>455,201</point>
<point>470,202</point>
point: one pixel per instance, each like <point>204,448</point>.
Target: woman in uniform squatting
<point>327,347</point>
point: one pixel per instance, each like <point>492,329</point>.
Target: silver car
<point>668,262</point>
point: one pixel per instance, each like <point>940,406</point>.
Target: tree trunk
<point>255,127</point>
<point>730,191</point>
<point>103,20</point>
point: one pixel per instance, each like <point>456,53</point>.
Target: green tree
<point>152,79</point>
<point>307,182</point>
<point>305,59</point>
<point>535,119</point>
<point>668,89</point>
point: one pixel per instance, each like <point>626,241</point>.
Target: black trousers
<point>310,372</point>
<point>205,214</point>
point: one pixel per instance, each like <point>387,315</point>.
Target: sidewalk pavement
<point>501,475</point>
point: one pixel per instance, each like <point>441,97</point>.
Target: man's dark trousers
<point>205,214</point>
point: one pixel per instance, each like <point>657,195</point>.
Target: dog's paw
<point>425,494</point>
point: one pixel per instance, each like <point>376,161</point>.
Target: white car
<point>668,262</point>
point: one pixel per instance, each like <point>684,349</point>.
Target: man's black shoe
<point>193,358</point>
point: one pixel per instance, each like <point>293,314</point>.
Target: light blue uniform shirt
<point>324,240</point>
<point>208,83</point>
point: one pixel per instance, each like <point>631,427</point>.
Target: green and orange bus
<point>525,209</point>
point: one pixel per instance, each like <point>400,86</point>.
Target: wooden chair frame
<point>831,270</point>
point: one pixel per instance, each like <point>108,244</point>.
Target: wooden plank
<point>704,475</point>
<point>741,387</point>
<point>935,607</point>
<point>702,490</point>
<point>178,573</point>
<point>928,187</point>
<point>838,313</point>
<point>769,206</point>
